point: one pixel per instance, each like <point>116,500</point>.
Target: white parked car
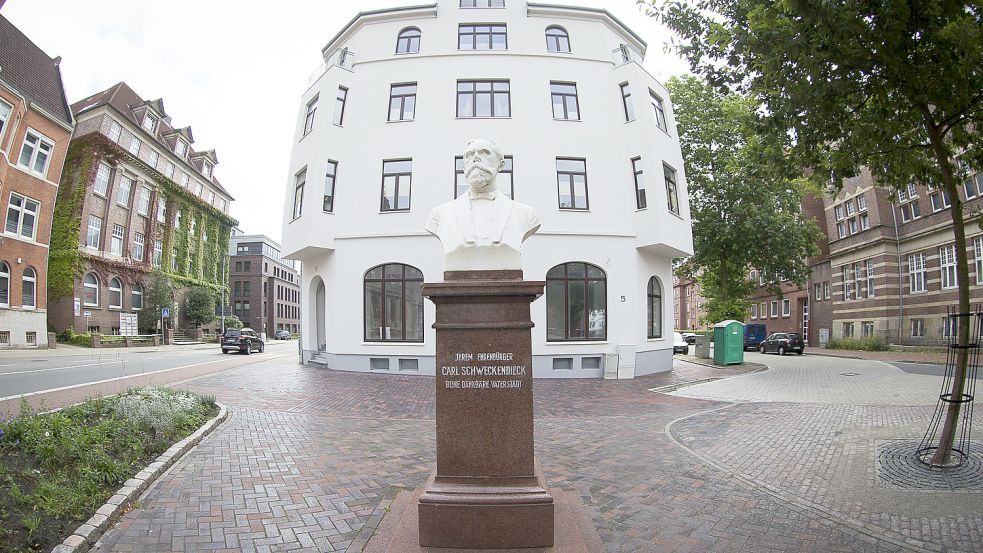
<point>679,345</point>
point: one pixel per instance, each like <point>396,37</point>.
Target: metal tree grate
<point>961,447</point>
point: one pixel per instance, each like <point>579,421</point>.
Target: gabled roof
<point>33,74</point>
<point>124,100</point>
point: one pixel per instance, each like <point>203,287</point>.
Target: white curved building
<point>592,146</point>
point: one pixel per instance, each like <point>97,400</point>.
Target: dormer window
<point>206,169</point>
<point>180,148</point>
<point>150,122</point>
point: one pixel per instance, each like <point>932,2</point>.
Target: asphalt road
<point>926,368</point>
<point>46,371</point>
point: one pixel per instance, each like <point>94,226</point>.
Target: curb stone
<point>89,532</point>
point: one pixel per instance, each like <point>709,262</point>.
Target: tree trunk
<point>949,428</point>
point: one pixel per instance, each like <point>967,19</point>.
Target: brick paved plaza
<point>310,459</point>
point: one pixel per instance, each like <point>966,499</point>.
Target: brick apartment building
<point>265,287</point>
<point>35,130</point>
<point>688,304</point>
<point>892,260</point>
<point>137,197</point>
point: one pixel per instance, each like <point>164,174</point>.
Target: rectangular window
<point>950,327</point>
<point>185,179</point>
<point>864,221</point>
<point>481,37</point>
<point>636,168</point>
<point>978,253</point>
<point>754,311</point>
<point>869,276</point>
<point>947,266</point>
<point>867,329</point>
<point>92,235</point>
<point>838,210</point>
<point>135,146</point>
<point>36,152</point>
<point>917,275</point>
<point>339,105</point>
<point>971,188</point>
<point>504,183</point>
<point>123,192</point>
<point>180,148</point>
<point>850,209</point>
<point>143,201</point>
<point>564,98</point>
<point>482,3</point>
<point>329,180</point>
<point>402,102</point>
<point>626,102</point>
<point>658,110</point>
<point>32,338</point>
<point>848,330</point>
<point>299,182</point>
<point>101,184</point>
<point>397,177</point>
<point>116,242</point>
<point>483,99</point>
<point>940,200</point>
<point>671,192</point>
<point>862,203</point>
<point>4,338</point>
<point>774,309</point>
<point>169,169</point>
<point>309,119</point>
<point>786,308</point>
<point>22,216</point>
<point>138,243</point>
<point>571,178</point>
<point>150,122</point>
<point>917,328</point>
<point>115,130</point>
<point>911,210</point>
<point>161,209</point>
<point>847,282</point>
<point>763,310</point>
<point>5,111</point>
<point>819,292</point>
<point>853,225</point>
<point>841,229</point>
<point>826,293</point>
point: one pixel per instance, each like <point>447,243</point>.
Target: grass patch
<point>57,469</point>
<point>870,343</point>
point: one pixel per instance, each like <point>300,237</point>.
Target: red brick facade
<point>265,289</point>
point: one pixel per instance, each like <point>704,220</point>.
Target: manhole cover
<point>899,467</point>
<point>849,374</point>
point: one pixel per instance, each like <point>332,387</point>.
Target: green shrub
<point>870,343</point>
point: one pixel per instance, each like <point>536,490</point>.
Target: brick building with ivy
<point>135,197</point>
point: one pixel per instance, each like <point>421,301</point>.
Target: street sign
<point>165,312</point>
<point>87,314</point>
<point>128,324</point>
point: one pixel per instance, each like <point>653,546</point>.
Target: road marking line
<point>107,362</point>
<point>29,394</point>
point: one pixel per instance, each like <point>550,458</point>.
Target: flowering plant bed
<point>57,469</point>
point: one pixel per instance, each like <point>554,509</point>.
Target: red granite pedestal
<point>487,491</point>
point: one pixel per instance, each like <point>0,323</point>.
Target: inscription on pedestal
<point>472,376</point>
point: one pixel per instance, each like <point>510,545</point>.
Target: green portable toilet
<point>728,343</point>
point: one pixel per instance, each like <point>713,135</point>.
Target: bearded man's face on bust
<point>482,162</point>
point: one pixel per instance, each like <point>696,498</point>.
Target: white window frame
<point>95,287</point>
<point>947,267</point>
<point>122,198</point>
<point>22,211</point>
<point>847,274</point>
<point>116,241</point>
<point>864,221</point>
<point>5,283</point>
<point>786,307</point>
<point>93,233</point>
<point>920,326</point>
<point>861,203</point>
<point>150,122</point>
<point>158,256</point>
<point>658,110</point>
<point>4,117</point>
<point>135,145</point>
<point>917,274</point>
<point>112,289</point>
<point>754,311</point>
<point>136,291</point>
<point>841,229</point>
<point>819,291</point>
<point>139,242</point>
<point>978,254</point>
<point>838,212</point>
<point>115,130</point>
<point>180,148</point>
<point>100,185</point>
<point>850,208</point>
<point>774,309</point>
<point>143,201</point>
<point>42,142</point>
<point>950,326</point>
<point>869,277</point>
<point>34,287</point>
<point>309,118</point>
<point>940,201</point>
<point>300,181</point>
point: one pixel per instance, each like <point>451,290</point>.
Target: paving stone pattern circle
<point>898,467</point>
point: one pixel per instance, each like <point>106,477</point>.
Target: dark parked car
<point>690,337</point>
<point>245,340</point>
<point>783,342</point>
<point>754,334</point>
<point>281,335</point>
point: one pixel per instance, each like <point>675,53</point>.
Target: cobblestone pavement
<point>310,459</point>
<point>822,379</point>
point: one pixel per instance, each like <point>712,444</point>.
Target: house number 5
<point>623,299</point>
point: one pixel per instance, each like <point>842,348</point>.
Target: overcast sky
<point>235,74</point>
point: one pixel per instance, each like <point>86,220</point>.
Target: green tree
<point>157,292</point>
<point>730,181</point>
<point>896,86</point>
<point>233,322</point>
<point>199,306</point>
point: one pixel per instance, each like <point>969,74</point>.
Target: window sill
<point>393,342</point>
<point>575,209</point>
<point>629,121</point>
<point>84,306</point>
<point>568,120</point>
<point>577,342</point>
<point>400,120</point>
<point>676,215</point>
<point>28,308</point>
<point>484,117</point>
<point>569,53</point>
<point>99,194</point>
<point>656,340</point>
<point>381,212</point>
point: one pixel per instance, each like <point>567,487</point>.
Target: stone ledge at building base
<point>96,341</point>
<point>85,536</point>
<point>398,530</point>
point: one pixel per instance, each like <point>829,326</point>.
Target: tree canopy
<point>157,293</point>
<point>199,306</point>
<point>746,212</point>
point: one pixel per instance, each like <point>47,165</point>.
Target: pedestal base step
<point>399,530</point>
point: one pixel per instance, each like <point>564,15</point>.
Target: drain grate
<point>899,467</point>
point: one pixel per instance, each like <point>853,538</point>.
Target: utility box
<point>703,346</point>
<point>728,343</point>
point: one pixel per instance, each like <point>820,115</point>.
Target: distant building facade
<point>688,304</point>
<point>35,130</point>
<point>136,197</point>
<point>893,260</point>
<point>265,287</point>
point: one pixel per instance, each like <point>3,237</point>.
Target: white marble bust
<point>483,229</point>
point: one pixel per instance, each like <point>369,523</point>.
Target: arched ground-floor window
<point>393,303</point>
<point>654,308</point>
<point>576,303</point>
